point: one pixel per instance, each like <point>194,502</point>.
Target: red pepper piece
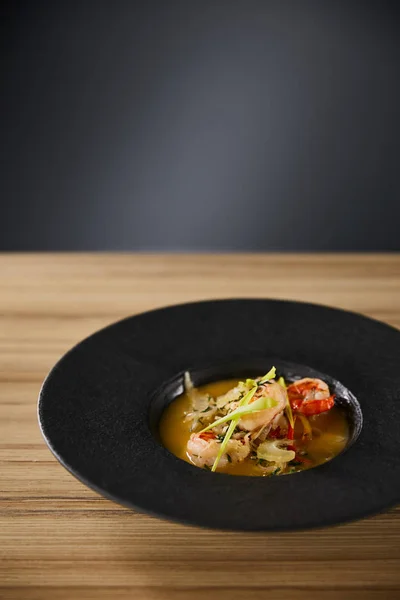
<point>207,435</point>
<point>275,433</point>
<point>290,432</point>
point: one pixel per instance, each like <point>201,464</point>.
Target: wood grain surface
<point>59,540</point>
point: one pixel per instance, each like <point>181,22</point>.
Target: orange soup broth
<point>330,433</point>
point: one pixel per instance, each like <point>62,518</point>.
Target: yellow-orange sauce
<point>330,432</point>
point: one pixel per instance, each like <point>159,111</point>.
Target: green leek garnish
<point>235,416</point>
<point>249,383</point>
<point>244,401</point>
<point>257,405</point>
<point>270,375</point>
<point>307,431</point>
<point>288,408</point>
<point>224,444</point>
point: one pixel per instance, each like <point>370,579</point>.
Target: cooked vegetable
<point>271,450</point>
<point>187,382</point>
<point>307,431</point>
<point>199,401</point>
<point>288,408</point>
<point>224,444</point>
<point>270,375</point>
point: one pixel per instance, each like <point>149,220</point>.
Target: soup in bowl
<point>263,426</point>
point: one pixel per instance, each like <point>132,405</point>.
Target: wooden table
<point>59,540</point>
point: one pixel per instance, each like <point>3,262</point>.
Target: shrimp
<point>202,450</point>
<point>264,417</point>
<point>310,396</point>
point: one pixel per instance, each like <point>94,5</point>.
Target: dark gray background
<point>200,125</point>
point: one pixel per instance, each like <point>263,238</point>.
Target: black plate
<point>99,408</point>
